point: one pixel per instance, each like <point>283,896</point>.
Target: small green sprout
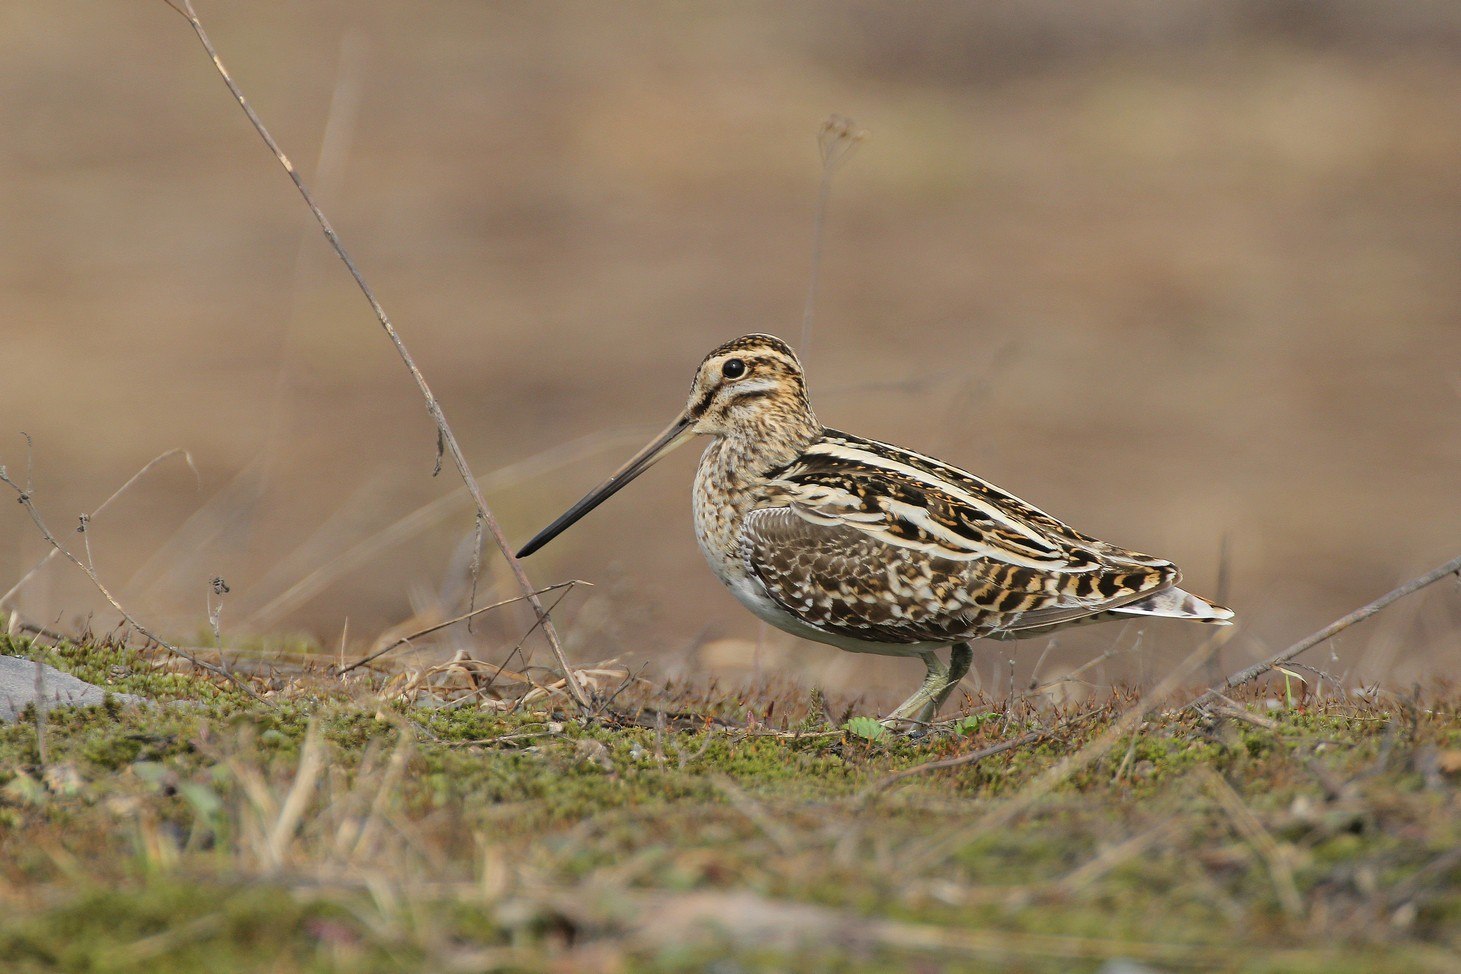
<point>868,728</point>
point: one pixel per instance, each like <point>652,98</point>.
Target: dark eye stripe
<point>703,404</point>
<point>750,394</point>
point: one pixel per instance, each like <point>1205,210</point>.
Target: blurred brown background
<point>1177,272</point>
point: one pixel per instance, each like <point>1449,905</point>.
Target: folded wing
<point>870,541</point>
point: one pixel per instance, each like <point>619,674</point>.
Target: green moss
<point>144,823</point>
<point>176,926</point>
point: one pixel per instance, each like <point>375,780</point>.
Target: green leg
<point>939,682</point>
<point>960,655</point>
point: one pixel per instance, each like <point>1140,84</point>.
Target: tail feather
<point>1176,603</point>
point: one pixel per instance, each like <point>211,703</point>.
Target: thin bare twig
<point>1070,677</point>
<point>1230,709</point>
<point>476,566</point>
<point>24,496</point>
<point>16,624</point>
<point>518,649</point>
<point>1451,567</point>
<point>446,439</point>
<point>629,680</point>
<point>451,622</point>
<point>176,451</point>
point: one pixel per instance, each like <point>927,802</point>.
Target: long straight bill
<point>675,434</point>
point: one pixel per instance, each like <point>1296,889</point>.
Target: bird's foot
<point>912,721</point>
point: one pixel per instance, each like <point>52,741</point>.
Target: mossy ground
<point>327,831</point>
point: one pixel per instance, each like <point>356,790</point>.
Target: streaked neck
<point>770,440</point>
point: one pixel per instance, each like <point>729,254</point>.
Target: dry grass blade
<point>1259,838</point>
<point>311,761</point>
<point>174,562</point>
<point>463,679</point>
<point>1451,567</point>
<point>40,712</point>
<point>446,439</point>
<point>169,940</point>
<point>1087,873</point>
<point>1432,873</point>
<point>370,829</point>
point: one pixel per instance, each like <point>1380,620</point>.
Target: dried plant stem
<point>1451,567</point>
<point>446,439</point>
<point>176,451</point>
<point>35,516</point>
<point>451,622</point>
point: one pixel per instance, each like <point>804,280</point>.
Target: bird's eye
<point>733,368</point>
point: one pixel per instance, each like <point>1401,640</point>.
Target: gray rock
<point>57,689</point>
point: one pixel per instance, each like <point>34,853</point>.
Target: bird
<point>874,548</point>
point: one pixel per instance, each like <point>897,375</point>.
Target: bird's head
<point>748,386</point>
<point>750,391</point>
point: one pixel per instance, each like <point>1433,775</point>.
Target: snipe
<point>873,548</point>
